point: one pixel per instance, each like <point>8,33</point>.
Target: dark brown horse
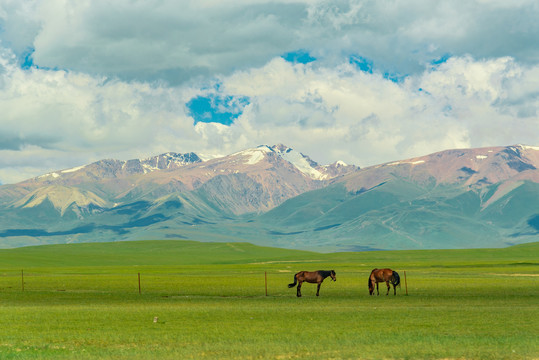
<point>314,277</point>
<point>383,275</point>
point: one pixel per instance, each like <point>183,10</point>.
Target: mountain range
<point>277,196</point>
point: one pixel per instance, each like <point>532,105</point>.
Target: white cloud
<point>179,40</point>
<point>338,113</point>
<point>119,76</point>
<point>74,118</point>
<point>343,113</point>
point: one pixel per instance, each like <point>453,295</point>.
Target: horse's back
<point>309,276</point>
<point>382,274</point>
<point>302,275</point>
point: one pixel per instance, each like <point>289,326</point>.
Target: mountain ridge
<point>278,172</point>
<point>276,196</point>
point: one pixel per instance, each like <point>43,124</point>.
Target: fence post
<point>405,283</point>
<point>139,283</point>
<point>22,279</point>
<point>266,281</point>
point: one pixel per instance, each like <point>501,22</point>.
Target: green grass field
<point>82,301</point>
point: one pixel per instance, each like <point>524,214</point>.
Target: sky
<point>364,82</point>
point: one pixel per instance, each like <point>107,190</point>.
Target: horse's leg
<point>377,292</point>
<point>318,289</point>
<point>394,290</point>
<point>299,288</point>
<point>388,287</point>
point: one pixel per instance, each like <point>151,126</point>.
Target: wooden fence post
<point>405,283</point>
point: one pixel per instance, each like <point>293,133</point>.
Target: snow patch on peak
<point>406,162</point>
<point>255,155</point>
<point>298,160</point>
<point>527,147</point>
<point>302,163</point>
<point>73,169</point>
<point>207,157</point>
<point>149,168</point>
<point>168,160</point>
<point>53,174</point>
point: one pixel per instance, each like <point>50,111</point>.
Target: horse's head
<point>371,286</point>
<point>333,275</point>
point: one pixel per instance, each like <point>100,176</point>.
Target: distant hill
<point>180,253</point>
<point>276,196</point>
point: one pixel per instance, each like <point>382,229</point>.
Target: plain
<point>208,300</point>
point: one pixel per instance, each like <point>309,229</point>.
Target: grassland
<point>208,301</point>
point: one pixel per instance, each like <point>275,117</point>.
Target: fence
<point>224,283</point>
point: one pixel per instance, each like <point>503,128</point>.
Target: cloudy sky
<point>365,82</point>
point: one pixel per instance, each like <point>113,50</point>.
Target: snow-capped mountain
<point>251,180</point>
<point>503,166</point>
<point>277,196</point>
<point>111,168</point>
<point>464,198</point>
<point>300,161</point>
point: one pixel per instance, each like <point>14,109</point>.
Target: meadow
<point>208,301</point>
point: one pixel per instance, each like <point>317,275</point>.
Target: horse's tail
<point>396,279</point>
<point>295,281</point>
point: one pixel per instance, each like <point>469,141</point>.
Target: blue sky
<point>364,82</point>
<point>215,108</point>
<point>298,57</point>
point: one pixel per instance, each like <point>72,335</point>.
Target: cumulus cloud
<point>168,41</point>
<point>362,118</point>
<point>74,118</point>
<point>177,41</point>
<point>382,80</point>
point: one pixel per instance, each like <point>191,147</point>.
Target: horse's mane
<point>325,273</point>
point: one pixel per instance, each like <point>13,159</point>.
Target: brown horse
<point>313,277</point>
<point>383,275</point>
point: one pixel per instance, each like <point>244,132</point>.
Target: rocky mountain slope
<point>249,181</point>
<point>279,197</point>
<point>486,197</point>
